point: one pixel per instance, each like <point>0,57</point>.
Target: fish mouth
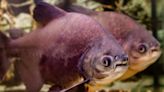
<point>122,64</point>
<point>156,54</point>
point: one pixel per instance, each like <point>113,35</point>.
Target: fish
<point>67,50</point>
<point>143,49</point>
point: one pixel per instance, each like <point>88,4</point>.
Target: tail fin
<point>3,39</point>
<point>4,61</point>
<point>16,33</point>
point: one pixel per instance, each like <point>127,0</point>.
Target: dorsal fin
<point>68,6</point>
<point>44,13</point>
<point>79,9</point>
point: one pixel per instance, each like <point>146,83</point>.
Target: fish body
<point>66,50</point>
<point>131,35</point>
<point>142,48</point>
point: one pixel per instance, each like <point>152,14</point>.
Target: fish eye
<point>142,48</point>
<point>107,61</point>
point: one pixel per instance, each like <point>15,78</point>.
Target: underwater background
<point>18,13</point>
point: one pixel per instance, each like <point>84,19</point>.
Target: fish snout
<point>155,47</point>
<point>125,58</point>
<point>121,60</point>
